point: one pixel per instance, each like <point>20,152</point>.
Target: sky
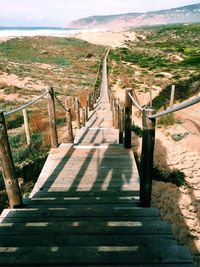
<point>58,13</point>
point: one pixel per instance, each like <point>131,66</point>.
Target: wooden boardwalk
<point>84,209</point>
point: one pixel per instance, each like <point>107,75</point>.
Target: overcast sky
<point>61,12</point>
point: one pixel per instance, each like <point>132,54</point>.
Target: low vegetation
<point>162,56</point>
<point>32,64</point>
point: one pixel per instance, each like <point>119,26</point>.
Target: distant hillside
<point>185,14</point>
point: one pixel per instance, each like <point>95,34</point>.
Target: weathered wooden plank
<point>136,227</point>
<point>82,194</point>
<point>94,255</point>
<point>105,265</point>
<point>47,220</point>
<point>82,188</point>
<point>81,211</point>
<point>90,240</point>
<point>89,176</point>
<point>91,184</point>
<point>42,200</point>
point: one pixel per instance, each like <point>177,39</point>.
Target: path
<point>84,208</point>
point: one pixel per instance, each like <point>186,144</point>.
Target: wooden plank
<point>47,220</point>
<point>93,255</point>
<point>103,174</point>
<point>91,184</point>
<point>105,265</point>
<point>89,240</point>
<point>82,200</point>
<point>101,194</point>
<point>83,188</point>
<point>81,211</point>
<point>136,227</point>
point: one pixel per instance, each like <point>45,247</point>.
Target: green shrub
<point>14,121</point>
<point>178,137</point>
<point>159,75</point>
<point>177,177</point>
<point>137,130</point>
<point>167,120</point>
<point>184,90</point>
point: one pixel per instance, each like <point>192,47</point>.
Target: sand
<point>112,39</point>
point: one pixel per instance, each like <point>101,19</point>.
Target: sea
<point>41,31</point>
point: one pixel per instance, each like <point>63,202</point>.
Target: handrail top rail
<point>135,103</point>
<point>8,113</point>
<point>175,108</point>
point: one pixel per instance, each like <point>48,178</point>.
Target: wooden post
<point>150,96</point>
<point>128,118</point>
<point>148,141</point>
<point>69,102</point>
<point>8,169</point>
<point>52,118</point>
<point>111,102</point>
<point>113,112</point>
<point>26,126</point>
<point>117,114</point>
<point>83,116</point>
<point>86,111</point>
<point>121,127</point>
<point>94,97</point>
<point>172,96</point>
<point>78,123</point>
<point>91,106</point>
<point>69,123</point>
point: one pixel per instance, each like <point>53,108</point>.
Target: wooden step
<point>89,240</point>
<point>138,254</point>
<point>134,227</point>
<point>81,211</point>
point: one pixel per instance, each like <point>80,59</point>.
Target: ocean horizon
<point>41,31</point>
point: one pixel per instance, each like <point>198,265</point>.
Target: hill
<point>185,14</point>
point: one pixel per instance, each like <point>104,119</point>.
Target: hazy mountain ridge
<point>185,14</point>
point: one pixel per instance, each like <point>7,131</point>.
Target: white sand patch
<point>27,82</point>
<point>113,39</point>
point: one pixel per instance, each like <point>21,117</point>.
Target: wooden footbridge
<point>84,209</point>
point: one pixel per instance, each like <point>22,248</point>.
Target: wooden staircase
<point>84,209</point>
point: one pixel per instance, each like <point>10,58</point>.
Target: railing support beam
<point>78,123</point>
<point>26,127</point>
<point>121,127</point>
<point>8,169</point>
<point>128,118</point>
<point>148,142</point>
<point>69,123</point>
<point>52,118</point>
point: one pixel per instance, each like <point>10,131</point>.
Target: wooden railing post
<point>128,118</point>
<point>69,123</point>
<point>111,102</point>
<point>78,123</point>
<point>83,116</point>
<point>91,106</point>
<point>117,114</point>
<point>94,97</point>
<point>52,117</point>
<point>26,126</point>
<point>172,96</point>
<point>121,127</point>
<point>148,142</point>
<point>86,111</point>
<point>8,169</point>
<point>113,112</point>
